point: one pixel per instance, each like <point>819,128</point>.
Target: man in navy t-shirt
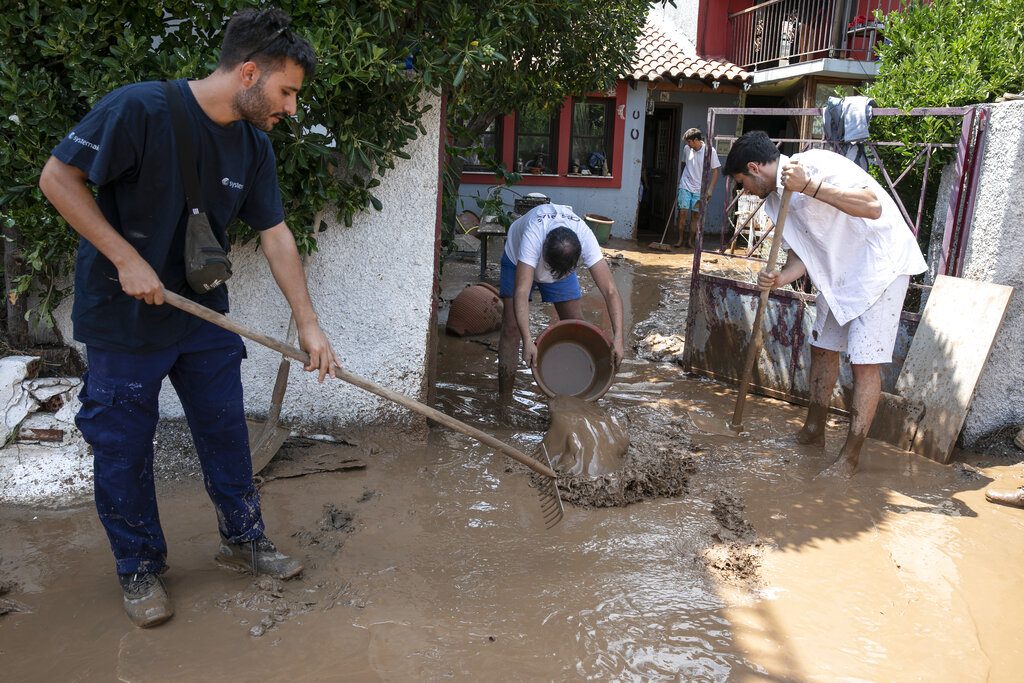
<point>133,245</point>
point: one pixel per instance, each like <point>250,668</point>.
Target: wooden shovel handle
<point>295,353</point>
<point>754,347</point>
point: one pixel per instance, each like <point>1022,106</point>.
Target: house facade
<point>797,52</point>
<point>597,151</point>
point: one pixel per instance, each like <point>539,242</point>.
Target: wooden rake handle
<point>295,353</point>
<point>755,335</point>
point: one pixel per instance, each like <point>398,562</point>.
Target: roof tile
<point>659,57</point>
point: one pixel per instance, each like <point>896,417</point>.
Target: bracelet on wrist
<point>816,190</point>
<point>805,185</point>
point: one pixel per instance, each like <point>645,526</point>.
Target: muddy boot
<point>145,599</point>
<point>1013,498</point>
<point>258,557</point>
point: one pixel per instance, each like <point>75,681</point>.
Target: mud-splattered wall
<point>371,285</point>
<point>995,253</point>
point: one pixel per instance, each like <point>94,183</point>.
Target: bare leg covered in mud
<point>510,343</point>
<point>684,230</point>
<point>867,388</point>
<point>824,371</point>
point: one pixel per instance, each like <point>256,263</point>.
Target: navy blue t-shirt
<point>126,147</point>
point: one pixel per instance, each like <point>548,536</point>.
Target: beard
<point>253,106</point>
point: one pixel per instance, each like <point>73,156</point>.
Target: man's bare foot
<point>842,468</point>
<point>811,435</point>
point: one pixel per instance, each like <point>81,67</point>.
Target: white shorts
<point>869,338</point>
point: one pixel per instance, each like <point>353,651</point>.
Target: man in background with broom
<point>846,233</point>
<point>689,197</point>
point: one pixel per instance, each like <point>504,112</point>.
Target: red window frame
<point>563,179</point>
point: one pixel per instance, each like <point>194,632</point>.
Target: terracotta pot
<point>476,310</point>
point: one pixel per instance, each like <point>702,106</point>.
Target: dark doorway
<point>661,168</point>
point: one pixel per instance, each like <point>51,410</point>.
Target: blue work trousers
<point>118,418</point>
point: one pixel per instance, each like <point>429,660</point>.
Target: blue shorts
<point>687,200</point>
<point>566,289</point>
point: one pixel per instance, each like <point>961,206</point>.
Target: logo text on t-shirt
<point>83,141</point>
<point>228,182</point>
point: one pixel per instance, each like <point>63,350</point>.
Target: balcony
<point>783,32</point>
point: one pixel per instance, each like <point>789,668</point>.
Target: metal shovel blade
<point>265,440</point>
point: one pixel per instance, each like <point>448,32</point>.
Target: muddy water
<point>584,439</point>
<point>759,572</point>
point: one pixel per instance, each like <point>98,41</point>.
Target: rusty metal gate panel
<point>721,310</point>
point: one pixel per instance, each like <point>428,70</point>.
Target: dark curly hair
<point>264,37</point>
<point>755,147</point>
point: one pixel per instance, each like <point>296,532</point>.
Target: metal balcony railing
<point>783,32</point>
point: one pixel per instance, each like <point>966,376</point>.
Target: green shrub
<point>946,53</point>
<point>364,106</point>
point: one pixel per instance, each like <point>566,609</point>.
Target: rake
<point>547,489</point>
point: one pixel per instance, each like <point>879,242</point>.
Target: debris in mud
<point>278,602</point>
<point>735,557</point>
<point>368,495</point>
<point>657,464</point>
<point>7,605</point>
<point>329,531</point>
<point>727,509</point>
<point>967,471</point>
<point>299,457</point>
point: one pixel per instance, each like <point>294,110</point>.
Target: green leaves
<point>379,61</point>
<point>945,53</point>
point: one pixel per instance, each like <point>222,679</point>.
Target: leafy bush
<point>945,53</point>
<point>378,58</point>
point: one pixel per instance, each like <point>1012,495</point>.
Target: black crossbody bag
<point>206,262</point>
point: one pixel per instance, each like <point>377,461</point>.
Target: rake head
<point>547,489</point>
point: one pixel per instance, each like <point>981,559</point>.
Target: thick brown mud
<point>432,562</point>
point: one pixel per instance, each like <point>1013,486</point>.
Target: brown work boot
<point>258,557</point>
<point>1013,498</point>
<point>145,599</point>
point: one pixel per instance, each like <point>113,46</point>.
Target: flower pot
<point>476,310</point>
<point>600,225</point>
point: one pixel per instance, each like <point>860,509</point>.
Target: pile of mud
<point>657,464</point>
<point>736,553</point>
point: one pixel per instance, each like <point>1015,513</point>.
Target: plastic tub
<point>600,225</point>
<point>574,358</point>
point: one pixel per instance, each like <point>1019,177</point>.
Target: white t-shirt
<point>525,239</point>
<point>694,169</point>
<point>850,260</point>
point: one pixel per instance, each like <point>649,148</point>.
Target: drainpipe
<point>842,10</point>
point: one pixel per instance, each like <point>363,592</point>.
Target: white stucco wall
<point>371,285</point>
<point>995,253</point>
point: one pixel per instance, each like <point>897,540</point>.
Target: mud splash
<point>656,464</point>
<point>583,439</point>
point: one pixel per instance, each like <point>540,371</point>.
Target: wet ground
<point>432,562</point>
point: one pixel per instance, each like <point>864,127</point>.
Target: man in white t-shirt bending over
<point>541,252</point>
<point>846,233</point>
<point>689,197</point>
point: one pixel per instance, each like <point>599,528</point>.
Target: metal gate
<point>722,309</point>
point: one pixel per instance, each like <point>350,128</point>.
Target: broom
<point>660,245</point>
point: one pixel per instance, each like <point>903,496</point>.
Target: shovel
<point>266,439</point>
<point>551,502</point>
<point>755,335</point>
